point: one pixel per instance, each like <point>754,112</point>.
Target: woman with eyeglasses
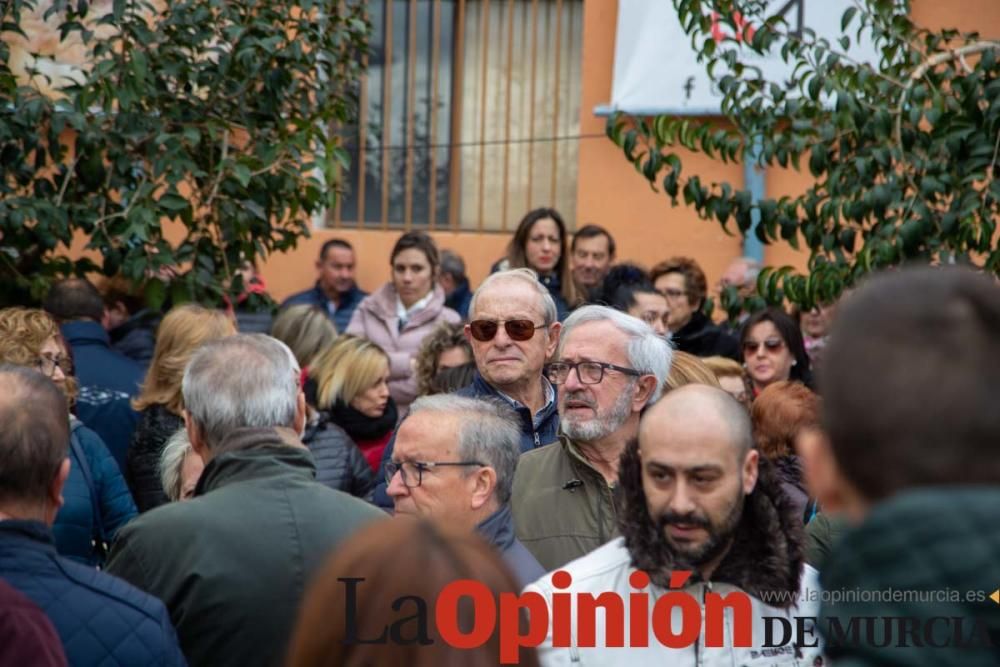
<point>773,350</point>
<point>96,499</point>
<point>540,244</point>
<point>348,385</point>
<point>404,311</point>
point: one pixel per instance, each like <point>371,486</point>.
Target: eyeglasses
<point>414,470</point>
<point>48,365</point>
<point>519,330</point>
<point>672,293</point>
<point>770,344</point>
<point>587,372</point>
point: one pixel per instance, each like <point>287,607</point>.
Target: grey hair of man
<point>647,352</point>
<point>172,463</point>
<point>452,264</point>
<point>34,441</point>
<point>489,433</point>
<point>242,381</point>
<point>545,303</point>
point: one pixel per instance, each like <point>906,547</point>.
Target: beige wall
<point>609,192</point>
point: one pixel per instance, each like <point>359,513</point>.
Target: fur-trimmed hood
<point>767,552</point>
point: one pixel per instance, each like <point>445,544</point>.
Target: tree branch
<point>69,175</point>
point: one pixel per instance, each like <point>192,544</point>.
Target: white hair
<point>172,462</point>
<point>247,380</point>
<point>545,302</point>
<point>647,352</point>
<point>489,433</point>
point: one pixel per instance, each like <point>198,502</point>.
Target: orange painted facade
<point>609,192</point>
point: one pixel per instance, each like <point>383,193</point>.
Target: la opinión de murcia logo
<point>505,615</point>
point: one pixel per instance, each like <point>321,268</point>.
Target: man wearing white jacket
<point>710,556</point>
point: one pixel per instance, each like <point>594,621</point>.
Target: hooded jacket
<point>232,563</point>
<point>764,562</point>
<point>939,546</point>
<point>376,319</point>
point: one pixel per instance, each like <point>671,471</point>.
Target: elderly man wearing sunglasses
<point>611,365</point>
<point>513,331</point>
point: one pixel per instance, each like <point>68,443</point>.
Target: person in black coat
<point>683,283</point>
<point>340,465</point>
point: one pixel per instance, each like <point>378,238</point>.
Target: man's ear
<point>55,491</point>
<point>301,412</point>
<point>485,483</point>
<point>555,330</point>
<point>644,388</point>
<point>824,478</point>
<point>195,437</point>
<point>750,471</point>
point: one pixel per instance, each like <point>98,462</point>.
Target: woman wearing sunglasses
<point>404,311</point>
<point>773,350</point>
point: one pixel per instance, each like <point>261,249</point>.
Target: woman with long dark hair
<point>540,244</point>
<point>773,350</point>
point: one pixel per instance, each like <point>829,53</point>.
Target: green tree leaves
<point>904,153</point>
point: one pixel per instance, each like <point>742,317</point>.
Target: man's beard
<point>603,424</point>
<point>719,536</point>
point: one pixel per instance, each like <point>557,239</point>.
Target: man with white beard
<point>610,366</point>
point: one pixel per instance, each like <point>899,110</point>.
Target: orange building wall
<point>609,192</point>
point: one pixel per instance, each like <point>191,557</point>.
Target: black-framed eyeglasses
<point>412,472</point>
<point>47,365</point>
<point>587,372</point>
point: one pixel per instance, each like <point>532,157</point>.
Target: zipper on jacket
<point>537,439</point>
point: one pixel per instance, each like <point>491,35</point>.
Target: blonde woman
<point>688,369</point>
<point>96,500</point>
<point>349,385</point>
<point>732,377</point>
<point>160,404</point>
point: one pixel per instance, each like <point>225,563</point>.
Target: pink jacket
<point>375,318</point>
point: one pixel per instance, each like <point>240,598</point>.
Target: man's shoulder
<point>93,590</point>
<point>591,571</point>
<point>310,296</point>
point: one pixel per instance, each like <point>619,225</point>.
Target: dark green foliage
<point>214,113</point>
<point>904,154</point>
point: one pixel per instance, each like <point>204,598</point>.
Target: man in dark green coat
<point>232,564</point>
<point>611,365</point>
<point>910,385</point>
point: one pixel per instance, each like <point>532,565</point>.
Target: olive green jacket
<point>563,507</point>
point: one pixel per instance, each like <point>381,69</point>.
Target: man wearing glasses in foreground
<point>611,366</point>
<point>454,462</point>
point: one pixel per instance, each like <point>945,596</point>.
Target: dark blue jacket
<point>101,620</point>
<point>498,530</point>
<point>531,438</point>
<point>136,337</point>
<point>460,299</point>
<point>108,380</point>
<point>74,527</point>
<point>316,297</point>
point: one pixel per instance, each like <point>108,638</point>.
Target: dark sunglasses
<point>519,330</point>
<point>771,345</point>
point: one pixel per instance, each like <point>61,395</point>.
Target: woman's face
<point>453,357</point>
<point>51,360</point>
<point>412,276</point>
<point>543,248</point>
<point>191,470</point>
<point>766,355</point>
<point>372,401</point>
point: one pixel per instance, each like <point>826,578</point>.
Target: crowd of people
<point>176,489</point>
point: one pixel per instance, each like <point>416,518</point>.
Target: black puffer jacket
<point>340,465</point>
<point>156,425</point>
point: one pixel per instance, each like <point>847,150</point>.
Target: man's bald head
<point>697,409</point>
<point>34,441</point>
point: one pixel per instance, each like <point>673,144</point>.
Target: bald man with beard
<point>696,497</point>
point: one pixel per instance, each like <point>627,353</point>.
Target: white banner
<point>657,71</point>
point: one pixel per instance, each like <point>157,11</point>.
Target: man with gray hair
<point>231,564</point>
<point>611,366</point>
<point>454,462</point>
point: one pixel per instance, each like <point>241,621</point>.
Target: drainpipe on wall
<point>754,181</point>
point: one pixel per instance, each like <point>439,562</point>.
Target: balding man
<point>696,498</point>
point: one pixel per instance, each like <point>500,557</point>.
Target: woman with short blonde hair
<point>349,384</point>
<point>732,376</point>
<point>688,369</point>
<point>160,402</point>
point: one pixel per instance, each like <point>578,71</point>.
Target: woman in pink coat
<point>404,311</point>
